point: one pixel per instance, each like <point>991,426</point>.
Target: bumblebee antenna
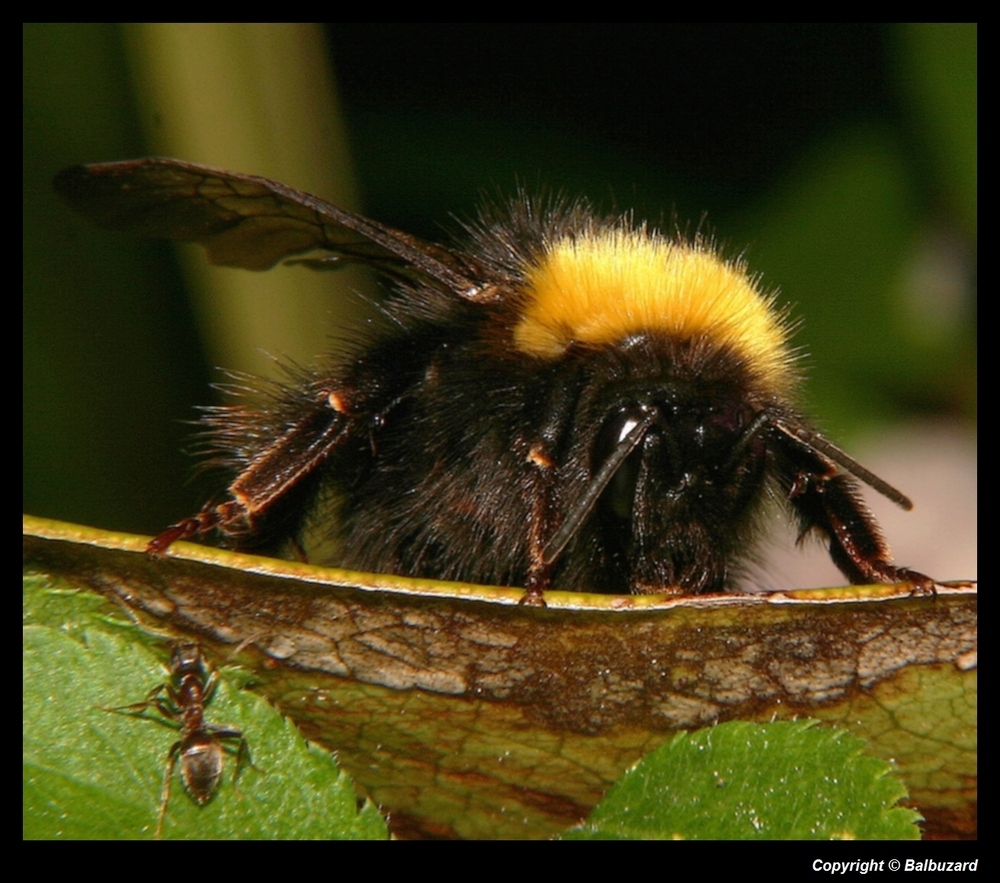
<point>626,444</point>
<point>815,441</point>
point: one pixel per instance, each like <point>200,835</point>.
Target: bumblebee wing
<point>250,222</point>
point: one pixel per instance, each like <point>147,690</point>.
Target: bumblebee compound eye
<point>683,445</point>
<point>620,437</point>
<point>616,451</point>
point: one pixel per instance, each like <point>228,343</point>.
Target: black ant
<point>201,747</point>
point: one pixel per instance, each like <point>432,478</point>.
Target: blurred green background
<point>841,159</point>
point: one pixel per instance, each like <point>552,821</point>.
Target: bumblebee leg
<point>211,517</point>
<point>539,576</point>
<point>270,484</point>
<point>833,505</point>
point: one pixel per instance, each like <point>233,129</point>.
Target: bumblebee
<point>564,401</point>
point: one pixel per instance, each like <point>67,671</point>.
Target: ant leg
<point>165,791</point>
<point>242,755</point>
<point>153,699</point>
<point>208,691</point>
<point>242,750</point>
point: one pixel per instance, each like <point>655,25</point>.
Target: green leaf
<point>742,781</point>
<point>462,713</point>
<point>90,774</point>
